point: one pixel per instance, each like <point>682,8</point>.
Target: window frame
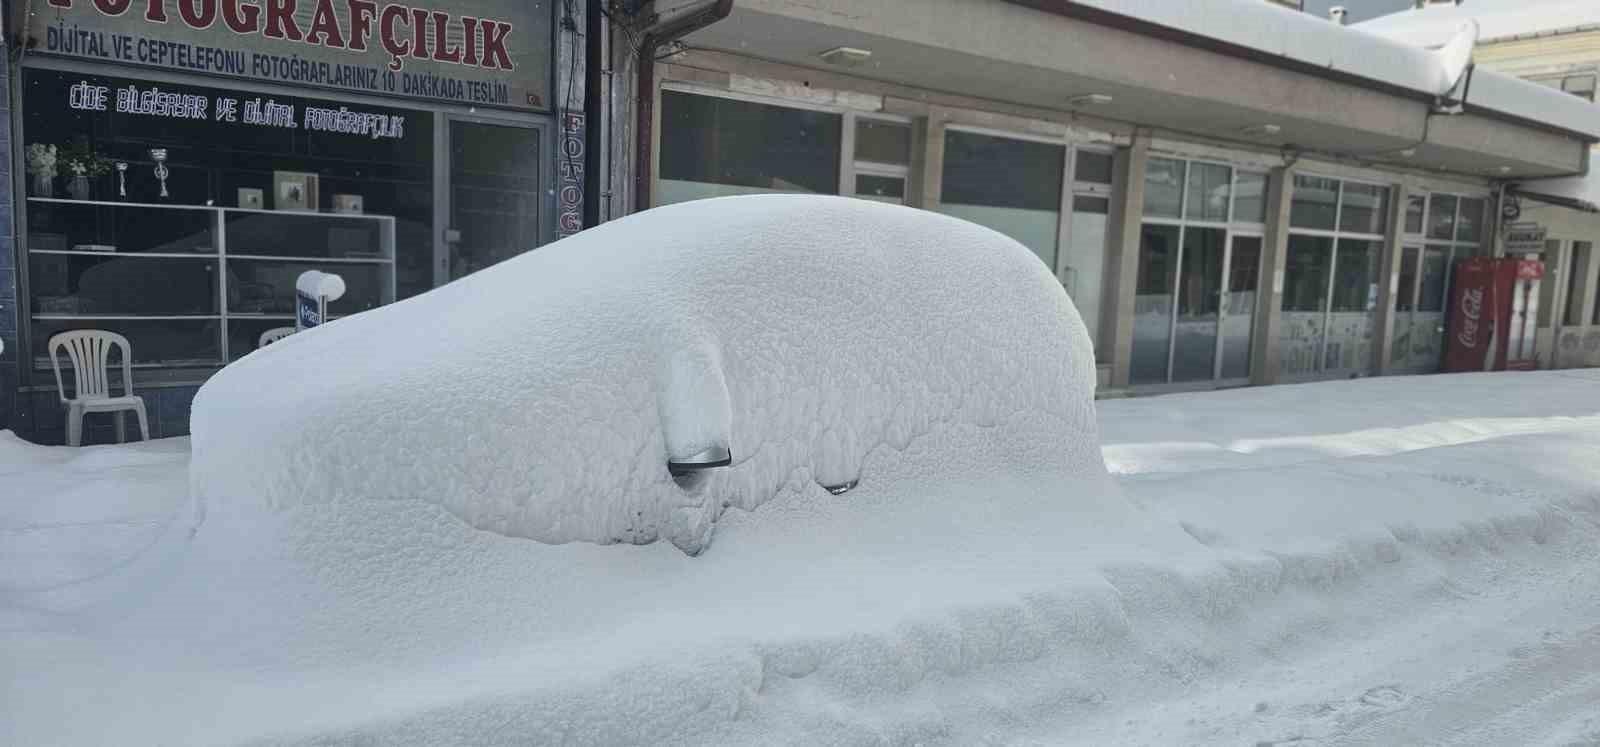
<point>1339,236</point>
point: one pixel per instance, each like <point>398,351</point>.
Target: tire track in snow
<point>1248,453</point>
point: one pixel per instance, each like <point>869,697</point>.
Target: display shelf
<point>256,278</point>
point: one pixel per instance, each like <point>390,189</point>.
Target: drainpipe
<point>645,105</point>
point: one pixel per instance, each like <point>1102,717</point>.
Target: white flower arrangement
<point>41,160</point>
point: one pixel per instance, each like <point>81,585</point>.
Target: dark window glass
<point>884,188</point>
<point>1163,188</point>
<point>1088,204</point>
<point>1414,207</point>
<point>1580,264</point>
<point>1365,208</point>
<point>1199,299</point>
<point>495,197</point>
<point>1092,167</point>
<point>1442,217</point>
<point>1210,190</point>
<point>879,141</point>
<point>1405,292</point>
<point>721,141</point>
<point>1305,277</point>
<point>1250,200</point>
<point>1355,280</point>
<point>1315,202</point>
<point>1469,227</point>
<point>79,284</point>
<point>1435,277</point>
<point>1152,331</point>
<point>1002,172</point>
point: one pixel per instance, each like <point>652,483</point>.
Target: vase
<point>44,185</point>
<point>78,187</point>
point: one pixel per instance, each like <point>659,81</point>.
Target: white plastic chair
<point>90,352</point>
<point>273,335</point>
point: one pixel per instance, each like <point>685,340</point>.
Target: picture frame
<point>294,190</point>
<point>252,198</point>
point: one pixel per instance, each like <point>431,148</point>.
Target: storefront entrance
<point>1206,335</point>
<point>1419,320</point>
<point>495,195</point>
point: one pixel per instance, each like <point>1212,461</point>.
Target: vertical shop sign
<point>570,194</point>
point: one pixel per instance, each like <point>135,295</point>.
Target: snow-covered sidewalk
<point>1385,561</point>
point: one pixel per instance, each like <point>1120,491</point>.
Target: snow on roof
<point>1361,52</point>
<point>816,338</point>
<point>1497,20</point>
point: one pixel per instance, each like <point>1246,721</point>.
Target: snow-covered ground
<point>1385,561</point>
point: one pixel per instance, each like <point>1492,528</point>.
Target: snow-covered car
<point>816,341</point>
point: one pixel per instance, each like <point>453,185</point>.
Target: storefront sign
<point>1524,237</point>
<point>257,111</point>
<point>478,52</point>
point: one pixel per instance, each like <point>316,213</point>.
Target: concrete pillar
<point>1389,279</point>
<point>1275,251</point>
<point>917,175</point>
<point>930,176</point>
<point>1127,212</point>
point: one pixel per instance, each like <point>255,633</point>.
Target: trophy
<point>159,155</point>
<point>122,179</point>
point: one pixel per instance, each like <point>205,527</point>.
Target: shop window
<point>1163,188</point>
<point>257,189</point>
<point>715,147</point>
<point>1010,185</point>
<point>1435,279</point>
<point>1469,221</point>
<point>881,141</point>
<point>1152,325</point>
<point>1406,288</point>
<point>891,189</point>
<point>1092,167</point>
<point>1363,208</point>
<point>1250,200</point>
<point>1442,217</point>
<point>1578,266</point>
<point>1355,277</point>
<point>1415,204</point>
<point>1315,204</point>
<point>1305,277</point>
<point>1210,191</point>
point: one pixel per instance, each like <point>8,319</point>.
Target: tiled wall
<point>8,258</point>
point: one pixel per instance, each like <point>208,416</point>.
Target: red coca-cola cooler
<point>1494,315</point>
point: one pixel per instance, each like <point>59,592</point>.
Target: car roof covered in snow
<point>1363,52</point>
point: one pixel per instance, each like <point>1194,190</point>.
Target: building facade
<point>1556,45</point>
<point>1222,213</point>
<point>175,165</point>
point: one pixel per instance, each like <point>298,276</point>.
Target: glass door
<point>1239,307</point>
<point>1418,345</point>
<point>1194,344</point>
<point>1196,305</point>
<point>496,194</point>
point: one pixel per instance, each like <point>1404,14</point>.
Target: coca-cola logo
<point>1471,311</point>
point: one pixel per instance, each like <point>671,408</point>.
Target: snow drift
<point>816,338</point>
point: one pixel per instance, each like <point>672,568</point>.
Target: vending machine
<point>1494,315</point>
